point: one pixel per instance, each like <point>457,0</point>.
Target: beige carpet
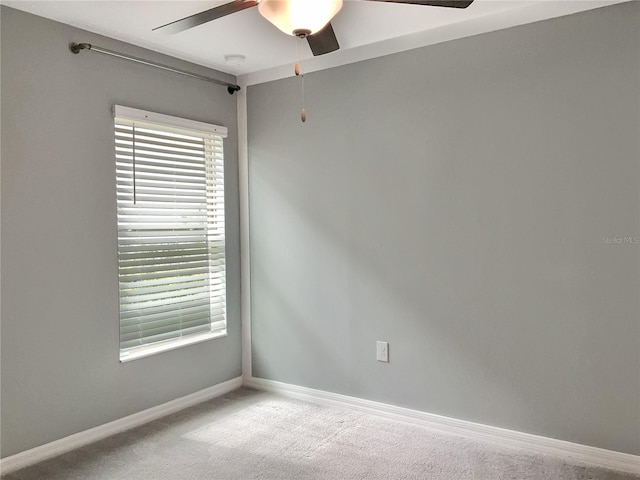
<point>257,435</point>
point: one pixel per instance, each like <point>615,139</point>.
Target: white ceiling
<point>364,29</point>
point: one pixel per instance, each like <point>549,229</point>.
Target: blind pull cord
<point>134,163</point>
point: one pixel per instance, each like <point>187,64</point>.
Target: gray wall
<point>453,200</point>
<point>60,368</point>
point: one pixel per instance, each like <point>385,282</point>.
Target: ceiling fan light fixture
<point>296,16</point>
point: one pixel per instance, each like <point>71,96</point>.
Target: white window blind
<point>171,240</point>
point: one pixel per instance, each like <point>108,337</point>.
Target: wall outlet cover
<point>382,351</point>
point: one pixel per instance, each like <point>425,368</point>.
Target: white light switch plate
<point>382,351</point>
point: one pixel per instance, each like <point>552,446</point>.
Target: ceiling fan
<point>309,19</point>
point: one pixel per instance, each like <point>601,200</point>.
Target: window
<point>171,242</point>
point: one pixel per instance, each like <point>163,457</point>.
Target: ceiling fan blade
<point>324,41</point>
<point>432,3</point>
<point>206,16</point>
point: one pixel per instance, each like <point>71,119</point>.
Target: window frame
<point>169,122</point>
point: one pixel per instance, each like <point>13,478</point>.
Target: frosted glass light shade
<point>299,15</point>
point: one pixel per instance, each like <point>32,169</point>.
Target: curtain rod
<point>77,47</point>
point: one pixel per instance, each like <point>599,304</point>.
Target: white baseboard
<point>80,439</point>
<point>509,438</point>
<point>575,452</point>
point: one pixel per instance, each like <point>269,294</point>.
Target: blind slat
<point>140,315</point>
<point>159,321</point>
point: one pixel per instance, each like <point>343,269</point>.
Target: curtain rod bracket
<point>75,48</point>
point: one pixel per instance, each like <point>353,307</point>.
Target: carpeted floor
<point>256,435</point>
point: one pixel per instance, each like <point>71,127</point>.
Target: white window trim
<point>177,122</point>
<point>155,348</point>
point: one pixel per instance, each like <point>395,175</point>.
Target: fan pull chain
<point>303,112</point>
<point>298,72</point>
